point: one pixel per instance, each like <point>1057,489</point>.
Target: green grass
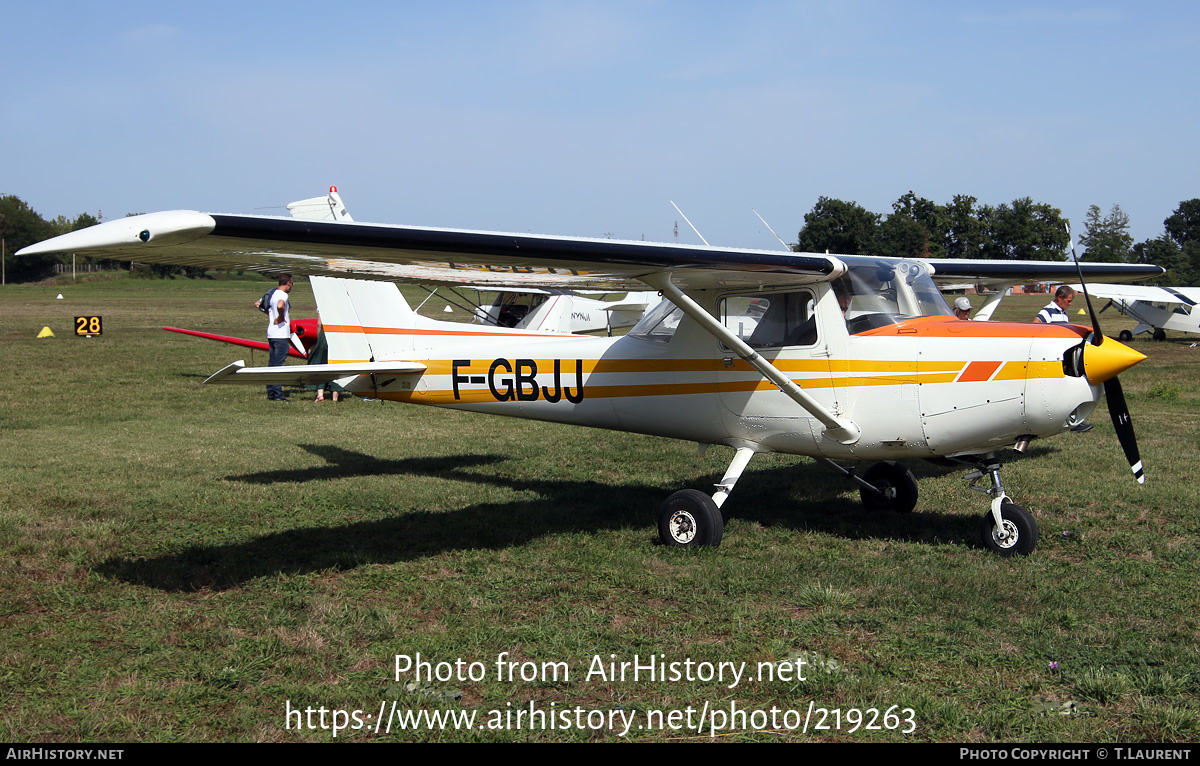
<point>180,561</point>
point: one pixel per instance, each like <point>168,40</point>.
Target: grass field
<point>183,563</point>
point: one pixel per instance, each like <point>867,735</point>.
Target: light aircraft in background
<point>841,358</point>
<point>558,310</point>
<point>1155,308</point>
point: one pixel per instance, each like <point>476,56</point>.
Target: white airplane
<point>1155,308</point>
<point>837,357</point>
<point>557,310</point>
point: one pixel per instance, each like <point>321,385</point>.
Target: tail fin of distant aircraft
<point>630,309</point>
<point>363,320</point>
<point>552,316</point>
<point>327,208</point>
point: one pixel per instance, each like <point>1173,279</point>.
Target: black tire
<point>898,484</point>
<point>1124,336</point>
<point>690,519</point>
<point>1021,529</point>
<point>1160,334</point>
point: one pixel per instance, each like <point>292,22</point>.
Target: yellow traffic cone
<point>46,333</point>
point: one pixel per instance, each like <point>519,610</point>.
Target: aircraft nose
<point>1109,359</point>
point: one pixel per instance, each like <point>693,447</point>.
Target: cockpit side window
<point>771,320</point>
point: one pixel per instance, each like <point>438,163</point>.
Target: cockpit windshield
<point>876,292</point>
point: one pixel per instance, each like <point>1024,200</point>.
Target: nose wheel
<point>1015,535</point>
<point>1006,529</point>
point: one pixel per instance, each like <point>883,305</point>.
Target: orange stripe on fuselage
<point>425,331</point>
<point>978,371</point>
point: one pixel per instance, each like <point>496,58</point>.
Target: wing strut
<point>844,431</point>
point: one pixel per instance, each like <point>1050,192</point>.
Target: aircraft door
<point>784,328</point>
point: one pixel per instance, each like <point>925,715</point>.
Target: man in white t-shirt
<point>279,331</point>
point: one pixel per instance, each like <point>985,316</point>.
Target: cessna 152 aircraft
<point>838,357</point>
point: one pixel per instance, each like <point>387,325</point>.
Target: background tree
<point>916,228</point>
<point>1162,251</point>
<point>1183,227</point>
<point>20,225</point>
<point>840,227</point>
<point>964,235</point>
<point>1025,230</point>
<point>1107,238</point>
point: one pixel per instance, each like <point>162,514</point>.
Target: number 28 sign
<point>89,326</point>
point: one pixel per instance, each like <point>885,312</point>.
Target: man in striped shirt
<point>1056,310</point>
<point>1056,313</point>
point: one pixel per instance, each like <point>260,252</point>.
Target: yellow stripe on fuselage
<point>902,373</point>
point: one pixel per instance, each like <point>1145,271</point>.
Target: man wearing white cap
<point>962,307</point>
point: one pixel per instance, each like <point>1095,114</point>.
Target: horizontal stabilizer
<point>309,374</point>
<point>260,345</point>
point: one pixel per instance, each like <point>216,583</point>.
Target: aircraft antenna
<point>764,220</point>
<point>689,223</point>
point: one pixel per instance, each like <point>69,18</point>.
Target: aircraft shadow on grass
<point>804,497</point>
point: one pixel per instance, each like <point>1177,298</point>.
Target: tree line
<point>916,228</point>
<point>21,225</point>
<point>1023,230</point>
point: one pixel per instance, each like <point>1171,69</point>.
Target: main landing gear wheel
<point>689,519</point>
<point>1124,336</point>
<point>1018,535</point>
<point>897,485</point>
<point>1160,334</point>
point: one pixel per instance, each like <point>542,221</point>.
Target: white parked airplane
<point>557,310</point>
<point>1155,308</point>
<point>838,357</point>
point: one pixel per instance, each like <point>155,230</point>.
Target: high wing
<point>1181,296</point>
<point>1008,273</point>
<point>274,245</point>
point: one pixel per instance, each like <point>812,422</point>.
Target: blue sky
<point>587,118</point>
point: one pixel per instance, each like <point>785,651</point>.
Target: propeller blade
<point>1115,396</point>
<point>1097,336</point>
